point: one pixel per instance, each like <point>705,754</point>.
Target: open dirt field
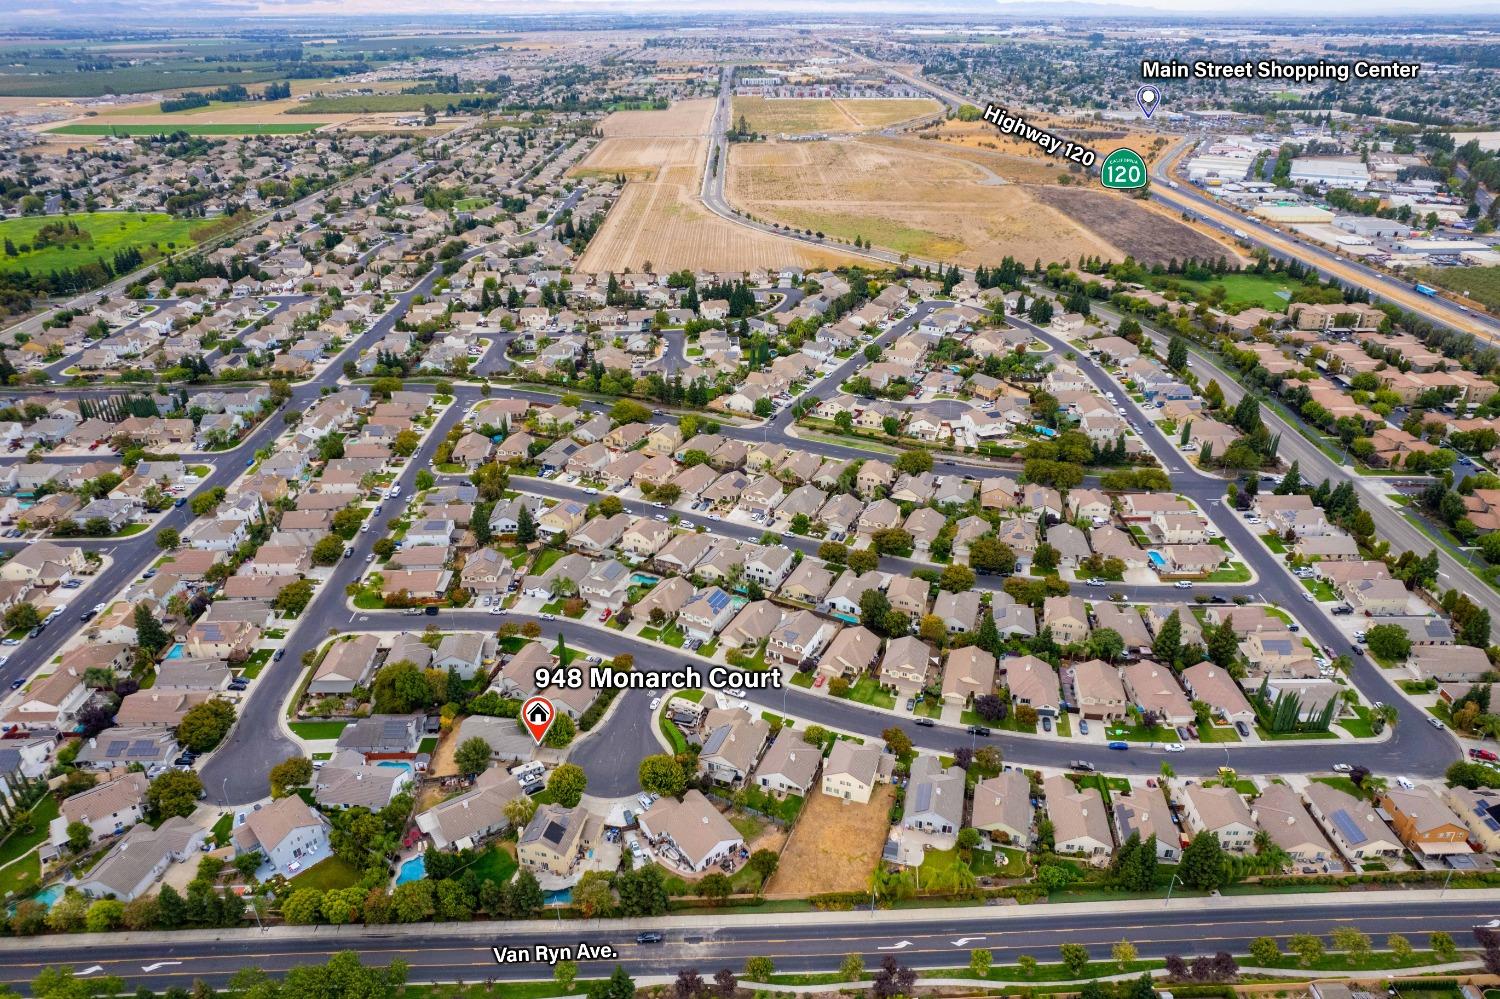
<point>1102,137</point>
<point>834,846</point>
<point>796,116</point>
<point>685,118</point>
<point>658,219</point>
<point>909,196</point>
<point>1149,236</point>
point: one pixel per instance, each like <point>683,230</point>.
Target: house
<point>348,781</point>
<point>752,625</point>
<point>1480,810</point>
<point>1422,822</point>
<point>691,832</point>
<point>1352,824</point>
<point>290,835</point>
<point>1033,682</point>
<point>908,595</point>
<point>1448,663</point>
<point>463,652</point>
<point>1080,826</point>
<point>119,747</point>
<point>1143,812</point>
<point>1098,691</point>
<point>959,612</point>
<point>808,582</point>
<point>468,819</point>
<point>845,594</point>
<point>1279,812</point>
<point>555,839</point>
<point>852,770</point>
<point>934,800</point>
<point>789,766</point>
<point>1378,597</point>
<point>1154,689</point>
<point>731,749</point>
<point>606,585</point>
<point>1221,811</point>
<point>141,857</point>
<point>1002,808</point>
<point>1212,684</point>
<point>799,637</point>
<point>154,708</point>
<point>851,653</point>
<point>970,672</point>
<point>706,614</point>
<point>907,666</point>
<point>390,736</point>
<point>486,572</point>
<point>346,665</point>
<point>1068,618</point>
<point>108,808</point>
<point>51,702</point>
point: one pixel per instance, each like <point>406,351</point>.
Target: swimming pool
<point>177,651</point>
<point>48,895</point>
<point>400,764</point>
<point>564,897</point>
<point>644,579</point>
<point>414,869</point>
<point>1157,561</point>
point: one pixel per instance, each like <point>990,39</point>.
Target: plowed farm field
<point>796,116</point>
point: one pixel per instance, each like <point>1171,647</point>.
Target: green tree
<point>1442,945</point>
<point>759,969</point>
<point>174,793</point>
<point>662,775</point>
<point>1307,946</point>
<point>1352,942</point>
<point>1168,641</point>
<point>980,959</point>
<point>149,634</point>
<point>561,733</point>
<point>1203,865</point>
<point>565,973</point>
<point>567,784</point>
<point>168,538</point>
<point>851,968</point>
<point>1264,951</point>
<point>472,756</point>
<point>204,725</point>
<point>1075,957</point>
<point>22,617</point>
<point>303,907</point>
<point>328,550</point>
<point>1389,641</point>
<point>1123,953</point>
<point>79,836</point>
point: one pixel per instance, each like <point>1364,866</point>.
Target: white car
<point>734,692</point>
<point>497,609</point>
<point>1175,747</point>
<point>1341,768</point>
<point>549,617</point>
<point>10,641</point>
<point>1183,584</point>
<point>1096,581</point>
<point>655,703</point>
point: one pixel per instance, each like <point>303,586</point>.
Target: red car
<point>1483,754</point>
<point>819,681</point>
<point>606,614</point>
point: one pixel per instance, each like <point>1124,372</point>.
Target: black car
<point>1083,765</point>
<point>926,723</point>
<point>1218,599</point>
<point>86,614</point>
<point>649,937</point>
<point>1342,609</point>
<point>277,656</point>
<point>978,730</point>
<point>35,631</point>
<point>431,611</point>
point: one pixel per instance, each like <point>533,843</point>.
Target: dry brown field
<point>795,116</point>
<point>834,846</point>
<point>1149,236</point>
<point>909,196</point>
<point>658,218</point>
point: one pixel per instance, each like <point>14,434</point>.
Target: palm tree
<point>1385,714</point>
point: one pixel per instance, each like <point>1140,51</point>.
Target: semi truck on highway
<point>1240,234</point>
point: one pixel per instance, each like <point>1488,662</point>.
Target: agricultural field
<point>376,103</point>
<point>1482,284</point>
<point>792,116</point>
<point>170,125</point>
<point>102,235</point>
<point>1149,236</point>
<point>658,218</point>
<point>1103,140</point>
<point>906,195</point>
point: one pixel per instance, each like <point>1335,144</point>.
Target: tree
<point>1307,946</point>
<point>991,555</point>
<point>1264,951</point>
<point>1106,644</point>
<point>303,907</point>
<point>759,969</point>
<point>1389,642</point>
<point>1399,946</point>
<point>561,733</point>
<point>662,775</point>
<point>851,968</point>
<point>174,793</point>
<point>893,979</point>
<point>519,811</point>
<point>328,550</point>
<point>565,973</point>
<point>897,741</point>
<point>1123,953</point>
<point>1442,945</point>
<point>1075,957</point>
<point>1168,641</point>
<point>168,538</point>
<point>149,634</point>
<point>79,836</point>
<point>293,598</point>
<point>22,616</point>
<point>715,887</point>
<point>567,784</point>
<point>295,771</point>
<point>1203,866</point>
<point>956,579</point>
<point>980,960</point>
<point>726,985</point>
<point>1352,942</point>
<point>472,756</point>
<point>204,725</point>
<point>525,525</point>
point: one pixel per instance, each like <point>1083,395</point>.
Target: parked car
<point>1342,768</point>
<point>1083,727</point>
<point>926,723</point>
<point>978,730</point>
<point>1119,745</point>
<point>1174,747</point>
<point>1083,765</point>
<point>649,937</point>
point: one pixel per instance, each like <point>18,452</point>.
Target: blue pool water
<point>48,895</point>
<point>400,764</point>
<point>177,651</point>
<point>1156,559</point>
<point>644,579</point>
<point>565,897</point>
<point>414,869</point>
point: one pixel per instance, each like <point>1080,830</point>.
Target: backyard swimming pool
<point>414,869</point>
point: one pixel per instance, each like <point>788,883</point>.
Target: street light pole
<point>1170,884</point>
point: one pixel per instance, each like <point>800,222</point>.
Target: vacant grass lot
<point>834,846</point>
<point>104,234</point>
<point>169,126</point>
<point>376,103</point>
<point>1480,283</point>
<point>1242,291</point>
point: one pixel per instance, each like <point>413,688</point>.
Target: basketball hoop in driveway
<point>537,714</point>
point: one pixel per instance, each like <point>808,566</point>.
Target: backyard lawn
<point>327,874</point>
<point>867,691</point>
<point>318,729</point>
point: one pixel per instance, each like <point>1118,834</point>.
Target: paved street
<point>928,939</point>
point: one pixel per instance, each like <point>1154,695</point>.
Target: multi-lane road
<point>925,939</point>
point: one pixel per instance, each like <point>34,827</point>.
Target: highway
<point>927,939</point>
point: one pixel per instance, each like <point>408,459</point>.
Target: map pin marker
<point>1147,98</point>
